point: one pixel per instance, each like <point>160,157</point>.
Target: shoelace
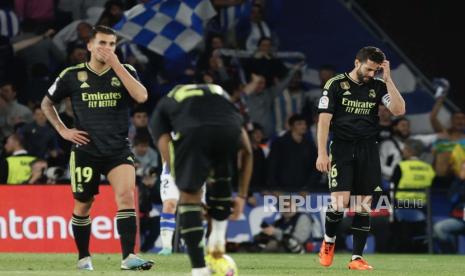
<point>327,248</point>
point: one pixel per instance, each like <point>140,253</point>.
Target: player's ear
<point>89,45</point>
<point>356,63</point>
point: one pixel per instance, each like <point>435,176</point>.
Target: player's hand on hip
<point>386,70</point>
<point>74,135</point>
<point>108,56</point>
<point>238,208</point>
<point>322,163</point>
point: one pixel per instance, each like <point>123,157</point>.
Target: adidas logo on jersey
<point>347,93</point>
<point>84,85</point>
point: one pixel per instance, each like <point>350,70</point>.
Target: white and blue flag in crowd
<point>170,28</point>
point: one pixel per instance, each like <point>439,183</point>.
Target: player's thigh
<point>85,175</point>
<point>341,174</point>
<point>169,191</point>
<point>368,170</point>
<point>191,162</point>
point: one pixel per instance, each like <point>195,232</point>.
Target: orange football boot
<point>326,253</point>
<point>359,264</point>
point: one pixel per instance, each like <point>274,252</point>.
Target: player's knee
<point>125,199</point>
<point>169,206</point>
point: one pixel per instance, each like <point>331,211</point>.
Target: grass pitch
<point>249,264</point>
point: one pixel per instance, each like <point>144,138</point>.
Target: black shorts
<point>355,167</point>
<point>208,151</point>
<point>85,170</point>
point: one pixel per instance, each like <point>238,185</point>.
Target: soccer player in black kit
<point>208,134</point>
<point>349,108</point>
<point>101,91</point>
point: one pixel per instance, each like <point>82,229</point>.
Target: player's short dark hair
<point>101,29</point>
<point>295,118</point>
<point>141,139</point>
<point>370,53</point>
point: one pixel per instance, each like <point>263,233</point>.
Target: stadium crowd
<point>39,38</point>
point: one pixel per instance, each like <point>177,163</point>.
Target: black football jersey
<point>354,106</point>
<point>100,104</point>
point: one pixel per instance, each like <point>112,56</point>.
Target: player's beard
<point>361,77</point>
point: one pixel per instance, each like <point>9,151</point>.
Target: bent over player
<point>208,134</point>
<point>349,107</point>
<point>100,91</point>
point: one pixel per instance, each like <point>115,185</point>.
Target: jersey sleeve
<point>160,122</point>
<point>382,88</point>
<point>327,99</point>
<point>59,89</point>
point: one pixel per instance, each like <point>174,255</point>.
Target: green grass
<point>249,264</point>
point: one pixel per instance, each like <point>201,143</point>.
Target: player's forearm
<point>397,105</point>
<point>137,91</point>
<point>164,148</point>
<point>52,115</point>
<point>322,135</point>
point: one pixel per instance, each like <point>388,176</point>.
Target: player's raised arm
<point>137,91</point>
<point>397,103</point>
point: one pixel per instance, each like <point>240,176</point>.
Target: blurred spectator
<point>42,51</point>
<point>288,234</point>
<point>216,71</point>
<point>213,42</point>
<point>260,152</point>
<point>77,31</point>
<point>14,112</point>
<point>112,14</point>
<point>410,219</point>
<point>412,173</point>
<point>391,149</point>
<point>9,23</point>
<point>260,99</point>
<point>35,88</point>
<point>257,28</point>
<point>449,152</point>
<point>40,138</point>
<point>263,62</point>
<point>15,169</point>
<point>290,102</point>
<point>38,168</point>
<point>385,123</point>
<point>40,12</point>
<point>146,157</point>
<point>292,159</point>
<point>77,54</point>
<point>447,230</point>
<point>139,124</point>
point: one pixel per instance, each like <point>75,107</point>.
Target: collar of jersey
<point>352,80</point>
<point>98,74</point>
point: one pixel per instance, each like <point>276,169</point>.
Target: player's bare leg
<point>81,224</point>
<point>360,230</point>
<point>334,215</point>
<point>190,210</point>
<point>122,179</point>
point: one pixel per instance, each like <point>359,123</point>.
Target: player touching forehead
<point>102,41</point>
<point>368,62</point>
